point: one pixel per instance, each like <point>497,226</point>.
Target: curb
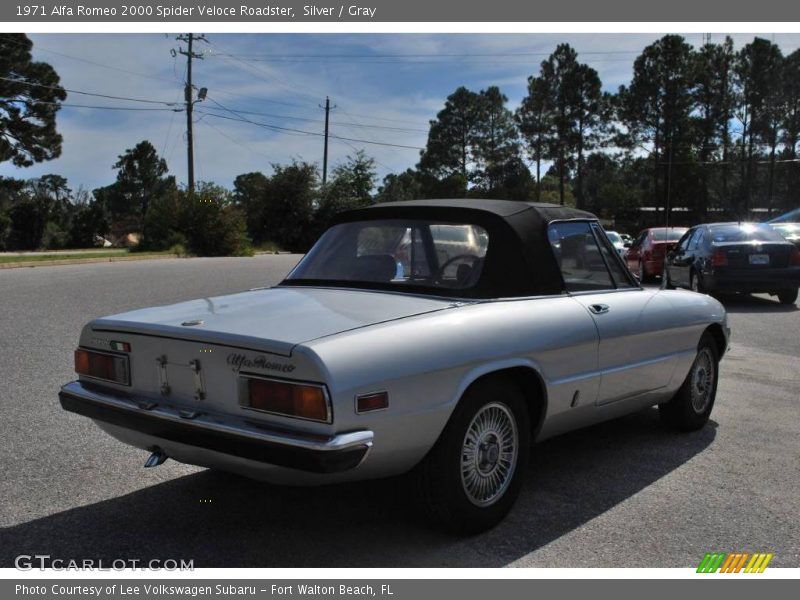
<point>80,261</point>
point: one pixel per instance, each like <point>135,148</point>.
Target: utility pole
<point>187,93</point>
<point>327,108</point>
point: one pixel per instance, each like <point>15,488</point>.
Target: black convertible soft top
<point>519,258</point>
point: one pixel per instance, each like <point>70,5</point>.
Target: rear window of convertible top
<point>397,252</point>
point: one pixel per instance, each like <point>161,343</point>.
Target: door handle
<point>599,309</point>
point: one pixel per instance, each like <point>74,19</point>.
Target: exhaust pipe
<point>156,458</point>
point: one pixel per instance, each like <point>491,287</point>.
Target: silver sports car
<point>440,338</point>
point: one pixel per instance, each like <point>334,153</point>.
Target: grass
<point>267,247</point>
<point>56,256</point>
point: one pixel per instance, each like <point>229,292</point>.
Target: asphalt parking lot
<point>623,494</point>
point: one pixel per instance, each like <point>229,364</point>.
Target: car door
<point>679,260</point>
<point>633,254</point>
<point>629,319</point>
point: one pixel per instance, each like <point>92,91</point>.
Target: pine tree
<point>30,97</point>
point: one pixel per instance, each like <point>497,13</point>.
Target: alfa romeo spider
<point>438,338</point>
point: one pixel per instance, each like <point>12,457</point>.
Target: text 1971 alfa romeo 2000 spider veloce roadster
<point>439,338</point>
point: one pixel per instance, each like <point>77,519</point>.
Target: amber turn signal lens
<point>107,367</point>
<point>368,402</point>
<point>81,362</point>
<point>290,399</point>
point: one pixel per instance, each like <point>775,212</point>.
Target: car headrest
<point>463,274</point>
<point>376,267</point>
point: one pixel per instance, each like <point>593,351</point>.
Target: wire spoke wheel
<point>489,454</point>
<point>702,380</point>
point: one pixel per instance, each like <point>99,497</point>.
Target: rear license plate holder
<point>759,259</point>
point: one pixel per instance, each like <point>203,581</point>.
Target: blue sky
<point>380,98</point>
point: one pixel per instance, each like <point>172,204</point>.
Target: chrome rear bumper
<point>235,437</point>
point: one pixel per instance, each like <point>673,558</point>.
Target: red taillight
<point>289,399</point>
<point>99,365</point>
<point>370,402</point>
<point>719,259</point>
<point>794,259</point>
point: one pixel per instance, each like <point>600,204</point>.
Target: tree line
<point>285,210</point>
<point>704,129</point>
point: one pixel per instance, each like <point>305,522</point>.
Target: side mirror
<point>626,245</point>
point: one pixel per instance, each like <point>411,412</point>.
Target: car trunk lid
<point>274,319</point>
<point>753,255</point>
<point>194,355</point>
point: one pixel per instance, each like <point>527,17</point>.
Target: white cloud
<point>381,91</point>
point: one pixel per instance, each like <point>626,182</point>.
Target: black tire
<point>787,296</point>
<point>442,490</point>
<point>696,283</point>
<point>685,411</point>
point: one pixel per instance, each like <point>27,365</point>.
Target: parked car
<point>448,369</point>
<point>646,255</point>
<point>791,231</point>
<point>735,257</point>
<point>619,244</point>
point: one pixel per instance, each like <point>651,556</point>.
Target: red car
<point>646,255</point>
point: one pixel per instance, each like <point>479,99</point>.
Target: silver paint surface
<point>423,351</point>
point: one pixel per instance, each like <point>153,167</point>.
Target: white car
<point>450,368</point>
<point>617,241</point>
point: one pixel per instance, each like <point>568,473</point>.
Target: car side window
<point>579,257</point>
<point>683,243</point>
<point>618,271</point>
<point>696,236</point>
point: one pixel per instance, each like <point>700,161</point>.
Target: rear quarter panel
<point>425,363</point>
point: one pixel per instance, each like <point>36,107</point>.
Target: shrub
<point>178,250</point>
<point>214,227</point>
<point>87,221</point>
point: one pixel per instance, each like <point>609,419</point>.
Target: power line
<point>274,79</point>
<point>310,120</point>
<point>136,108</point>
<point>96,107</point>
<point>426,54</point>
<point>94,94</point>
<point>308,106</point>
<point>385,119</point>
<point>303,132</point>
<point>177,98</point>
<point>91,62</point>
<point>236,141</point>
<point>395,152</point>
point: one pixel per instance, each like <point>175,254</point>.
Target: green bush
<point>178,250</point>
<point>162,223</point>
<point>87,221</point>
<point>212,225</point>
<point>54,238</point>
<point>5,226</point>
